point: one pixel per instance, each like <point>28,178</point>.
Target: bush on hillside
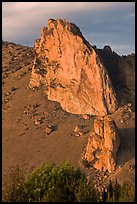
<point>13,186</point>
<point>64,183</point>
<point>50,183</point>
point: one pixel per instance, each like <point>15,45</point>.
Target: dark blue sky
<point>102,23</point>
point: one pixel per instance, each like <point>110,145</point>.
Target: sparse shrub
<point>12,58</point>
<point>87,61</point>
<point>85,163</point>
<point>127,193</point>
<point>120,193</point>
<point>13,186</point>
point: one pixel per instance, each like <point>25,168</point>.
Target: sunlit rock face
<point>103,144</point>
<point>70,71</point>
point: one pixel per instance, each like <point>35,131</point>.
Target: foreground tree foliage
<point>64,183</point>
<point>52,183</point>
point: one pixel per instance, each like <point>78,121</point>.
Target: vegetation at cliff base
<point>64,183</point>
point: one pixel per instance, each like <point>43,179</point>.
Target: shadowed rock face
<point>103,144</point>
<point>71,72</point>
<point>121,70</point>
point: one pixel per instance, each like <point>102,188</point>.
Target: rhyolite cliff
<point>70,71</point>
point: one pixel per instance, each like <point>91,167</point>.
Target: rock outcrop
<point>107,48</point>
<point>103,144</point>
<point>121,70</point>
<point>70,71</point>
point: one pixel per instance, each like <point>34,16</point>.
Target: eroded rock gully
<point>70,72</point>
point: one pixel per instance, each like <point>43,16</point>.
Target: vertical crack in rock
<point>59,44</point>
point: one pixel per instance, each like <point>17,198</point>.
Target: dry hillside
<point>27,114</point>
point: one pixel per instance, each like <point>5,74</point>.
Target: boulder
<point>48,129</point>
<point>78,130</point>
<point>70,71</point>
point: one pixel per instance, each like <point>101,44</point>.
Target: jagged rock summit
<point>70,71</point>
